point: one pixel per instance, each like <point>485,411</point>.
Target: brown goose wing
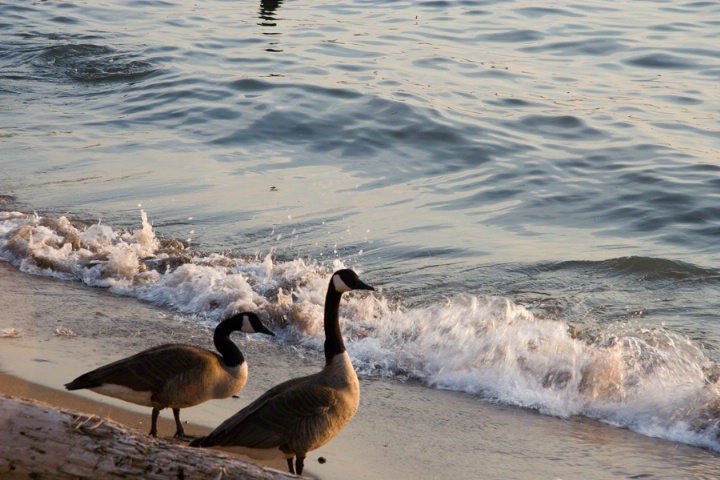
<point>148,370</point>
<point>273,419</point>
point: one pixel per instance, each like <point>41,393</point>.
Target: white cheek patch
<point>246,325</point>
<point>339,285</point>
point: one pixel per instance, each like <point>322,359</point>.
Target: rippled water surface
<point>500,129</point>
<point>563,157</point>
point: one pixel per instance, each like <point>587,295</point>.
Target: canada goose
<point>301,414</point>
<point>177,375</point>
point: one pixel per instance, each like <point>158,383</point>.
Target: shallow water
<point>532,188</point>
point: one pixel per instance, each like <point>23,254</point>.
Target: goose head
<point>346,280</point>
<point>249,322</point>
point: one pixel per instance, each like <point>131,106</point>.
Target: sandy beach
<point>56,330</point>
<point>49,338</point>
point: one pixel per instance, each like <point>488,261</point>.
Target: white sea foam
<point>10,333</point>
<point>653,381</point>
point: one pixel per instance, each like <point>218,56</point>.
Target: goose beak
<point>360,285</point>
<point>266,331</point>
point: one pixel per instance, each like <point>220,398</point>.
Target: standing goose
<point>177,375</point>
<point>301,414</point>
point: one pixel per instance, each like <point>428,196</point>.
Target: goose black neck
<point>333,337</point>
<point>231,354</point>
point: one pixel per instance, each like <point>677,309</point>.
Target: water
<point>534,189</point>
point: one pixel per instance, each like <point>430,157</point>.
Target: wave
<point>648,379</point>
<point>642,268</point>
<point>75,58</point>
<point>93,63</point>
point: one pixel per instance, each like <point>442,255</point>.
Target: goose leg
<point>153,425</point>
<point>299,464</point>
<point>180,431</point>
<point>290,465</point>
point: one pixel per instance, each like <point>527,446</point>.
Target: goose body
<point>301,414</point>
<point>177,375</point>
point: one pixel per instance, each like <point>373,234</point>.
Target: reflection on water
<point>267,12</point>
<point>268,19</point>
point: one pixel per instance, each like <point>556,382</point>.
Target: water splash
<point>651,380</point>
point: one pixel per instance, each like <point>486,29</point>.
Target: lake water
<point>533,188</point>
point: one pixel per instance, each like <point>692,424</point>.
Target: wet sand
<point>401,431</point>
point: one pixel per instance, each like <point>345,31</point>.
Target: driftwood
<point>40,441</point>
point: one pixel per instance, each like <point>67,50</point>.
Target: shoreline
<point>402,430</point>
<point>60,330</point>
<point>52,331</point>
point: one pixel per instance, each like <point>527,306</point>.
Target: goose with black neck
<point>301,414</point>
<point>177,375</point>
